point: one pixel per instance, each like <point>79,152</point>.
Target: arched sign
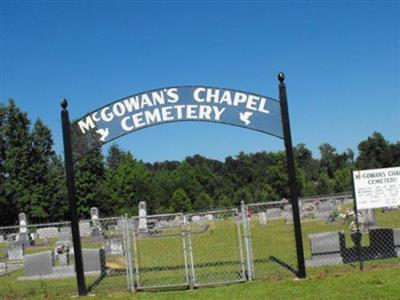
<point>174,104</point>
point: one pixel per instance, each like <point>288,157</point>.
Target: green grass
<point>219,244</point>
<point>371,284</point>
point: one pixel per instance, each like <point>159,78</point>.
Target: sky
<point>341,60</point>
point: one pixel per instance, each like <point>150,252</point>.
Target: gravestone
<point>324,210</point>
<point>65,234</point>
<point>15,251</point>
<point>287,214</point>
<point>274,213</point>
<point>324,243</point>
<point>96,233</point>
<point>196,219</point>
<point>209,217</point>
<point>114,247</point>
<point>142,217</point>
<point>262,218</point>
<point>120,225</point>
<point>396,237</point>
<point>1,238</point>
<point>84,229</point>
<point>38,264</point>
<point>63,259</point>
<point>93,260</point>
<point>23,230</point>
<point>47,233</point>
<point>367,219</point>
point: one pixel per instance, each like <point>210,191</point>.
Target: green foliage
<point>203,202</point>
<point>180,202</point>
<point>32,177</point>
<point>127,185</point>
<point>374,152</point>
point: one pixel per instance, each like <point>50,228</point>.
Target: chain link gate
<point>216,247</point>
<point>269,240</point>
<point>158,254</point>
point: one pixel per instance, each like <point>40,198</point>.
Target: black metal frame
<point>69,167</point>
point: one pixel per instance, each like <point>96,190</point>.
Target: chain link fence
<point>253,242</point>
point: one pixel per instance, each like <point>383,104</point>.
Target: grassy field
<point>217,258</point>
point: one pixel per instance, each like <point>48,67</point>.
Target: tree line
<point>32,176</point>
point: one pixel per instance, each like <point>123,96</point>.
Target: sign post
<point>292,176</point>
<point>69,168</point>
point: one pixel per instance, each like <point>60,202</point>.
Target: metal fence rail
<point>200,249</point>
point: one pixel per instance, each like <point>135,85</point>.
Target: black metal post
<point>292,176</point>
<point>69,167</point>
<point>359,236</point>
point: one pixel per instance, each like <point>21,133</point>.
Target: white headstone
<point>142,216</point>
<point>15,251</point>
<point>22,223</point>
<point>84,229</point>
<point>262,218</point>
<point>47,232</point>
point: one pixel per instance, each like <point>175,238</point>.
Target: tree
<point>90,177</point>
<point>224,202</point>
<point>374,152</point>
<point>114,157</point>
<point>342,180</point>
<point>180,202</point>
<point>203,202</point>
<point>40,171</point>
<point>324,185</point>
<point>129,184</point>
<point>328,159</point>
<point>17,162</point>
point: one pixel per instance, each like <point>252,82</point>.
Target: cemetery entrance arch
<point>174,104</point>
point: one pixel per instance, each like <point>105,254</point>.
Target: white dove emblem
<point>244,116</point>
<point>104,133</point>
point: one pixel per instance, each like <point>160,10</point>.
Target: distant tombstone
<point>367,218</point>
<point>15,251</point>
<point>273,213</point>
<point>94,216</point>
<point>63,259</point>
<point>93,260</point>
<point>38,264</point>
<point>324,210</point>
<point>1,238</point>
<point>396,237</point>
<point>84,229</point>
<point>114,247</point>
<point>142,216</point>
<point>65,234</point>
<point>113,229</point>
<point>120,224</point>
<point>209,217</point>
<point>196,219</point>
<point>47,232</point>
<point>287,213</point>
<point>324,243</point>
<point>262,218</point>
<point>23,230</point>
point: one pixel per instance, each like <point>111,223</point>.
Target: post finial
<point>281,77</point>
<point>64,104</point>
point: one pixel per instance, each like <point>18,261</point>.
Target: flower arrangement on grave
<point>349,217</point>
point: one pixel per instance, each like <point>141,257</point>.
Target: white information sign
<point>377,188</point>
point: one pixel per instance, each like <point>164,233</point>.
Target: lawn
<point>217,258</point>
